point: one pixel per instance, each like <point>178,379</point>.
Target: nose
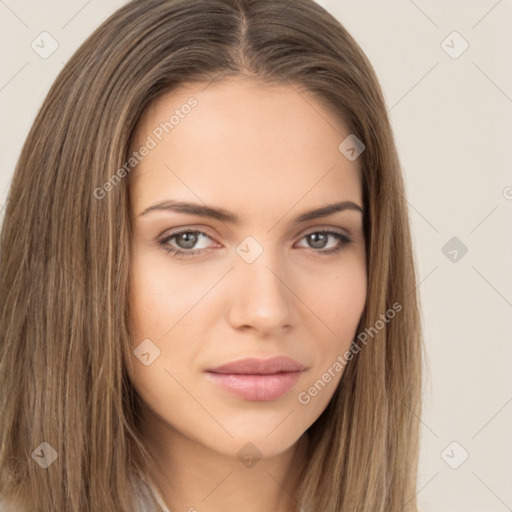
<point>262,296</point>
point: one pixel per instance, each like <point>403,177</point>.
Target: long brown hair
<point>65,261</point>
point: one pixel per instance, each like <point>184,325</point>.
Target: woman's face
<point>268,284</point>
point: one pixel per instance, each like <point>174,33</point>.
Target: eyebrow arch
<point>226,216</point>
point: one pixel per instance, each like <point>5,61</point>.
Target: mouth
<point>259,380</point>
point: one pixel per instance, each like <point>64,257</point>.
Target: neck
<point>193,477</point>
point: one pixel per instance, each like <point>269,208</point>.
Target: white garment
<point>145,503</point>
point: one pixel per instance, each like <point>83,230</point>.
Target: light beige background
<point>452,121</point>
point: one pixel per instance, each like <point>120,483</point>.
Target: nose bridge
<point>261,297</point>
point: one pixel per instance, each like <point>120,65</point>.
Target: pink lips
<point>257,379</point>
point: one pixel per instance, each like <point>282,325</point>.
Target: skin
<point>267,154</point>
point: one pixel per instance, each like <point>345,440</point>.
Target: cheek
<point>162,293</point>
<point>167,310</point>
<point>160,300</point>
<point>338,304</point>
<point>337,301</point>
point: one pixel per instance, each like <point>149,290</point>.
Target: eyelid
<point>314,229</point>
<point>185,229</point>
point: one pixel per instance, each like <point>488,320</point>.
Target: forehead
<point>239,143</point>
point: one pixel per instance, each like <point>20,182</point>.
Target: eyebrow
<point>228,217</point>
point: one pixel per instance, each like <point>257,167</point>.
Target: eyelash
<point>176,253</point>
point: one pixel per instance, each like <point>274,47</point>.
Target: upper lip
<point>255,366</point>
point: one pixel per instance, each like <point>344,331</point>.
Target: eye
<point>185,241</point>
<point>319,240</point>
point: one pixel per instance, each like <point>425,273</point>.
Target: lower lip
<point>259,388</point>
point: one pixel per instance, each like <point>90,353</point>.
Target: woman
<point>207,282</point>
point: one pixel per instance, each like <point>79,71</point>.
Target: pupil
<point>318,244</point>
<point>190,240</point>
